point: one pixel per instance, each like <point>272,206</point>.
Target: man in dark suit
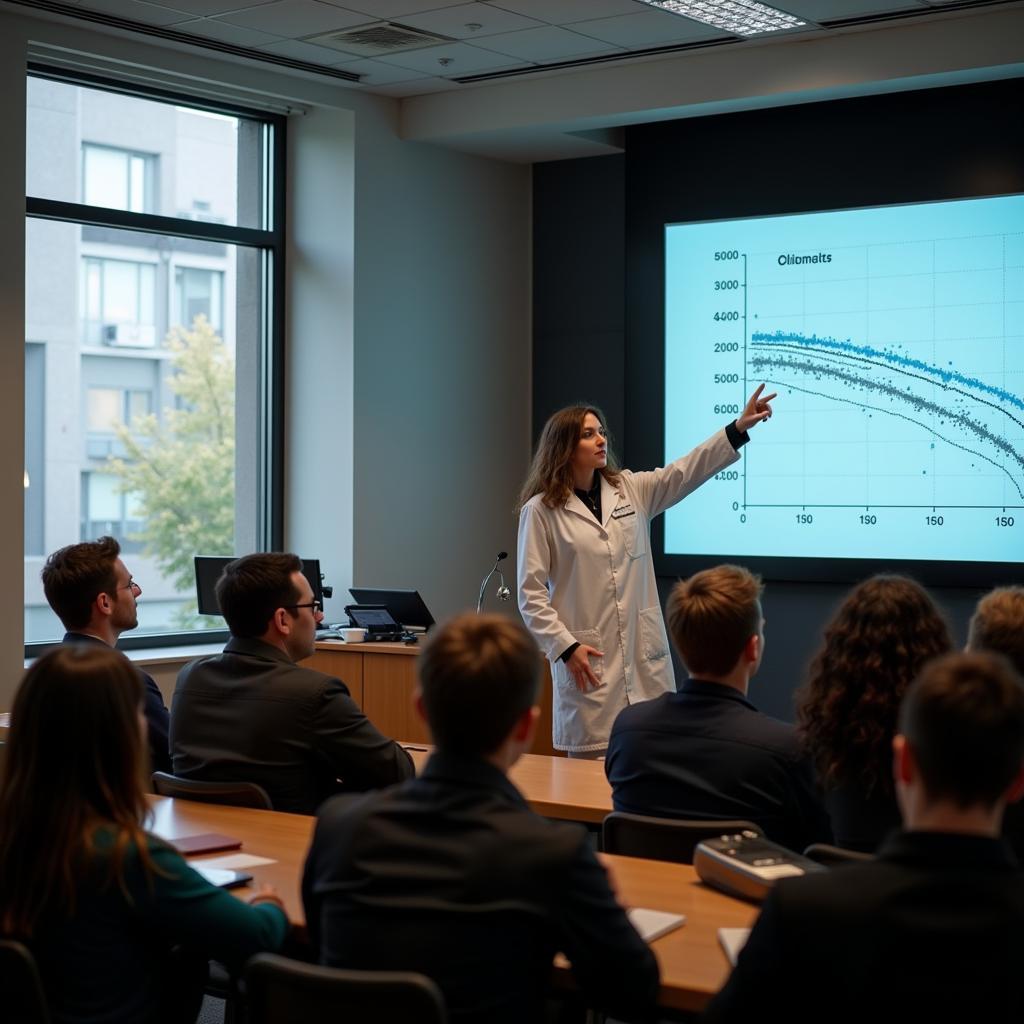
<point>252,715</point>
<point>452,875</point>
<point>706,752</point>
<point>93,594</point>
<point>934,928</point>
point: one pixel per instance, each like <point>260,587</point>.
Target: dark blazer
<point>706,752</point>
<point>861,821</point>
<point>157,718</point>
<point>932,930</point>
<point>253,715</point>
<point>452,875</point>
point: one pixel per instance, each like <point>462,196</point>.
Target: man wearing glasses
<point>251,714</point>
<point>92,593</point>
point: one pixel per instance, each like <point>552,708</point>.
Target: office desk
<point>555,787</point>
<point>382,679</point>
<point>693,966</point>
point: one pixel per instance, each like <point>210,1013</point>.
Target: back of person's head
<point>884,632</point>
<point>252,588</point>
<point>998,625</point>
<point>75,575</point>
<point>712,615</point>
<point>76,760</point>
<point>964,721</point>
<point>479,674</point>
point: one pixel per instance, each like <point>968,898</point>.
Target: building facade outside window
<point>147,316</point>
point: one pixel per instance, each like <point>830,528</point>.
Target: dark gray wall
<point>580,350</point>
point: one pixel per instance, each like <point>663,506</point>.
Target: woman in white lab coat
<point>587,590</point>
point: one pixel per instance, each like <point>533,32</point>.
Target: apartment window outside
<point>117,178</point>
<point>118,303</point>
<point>153,326</point>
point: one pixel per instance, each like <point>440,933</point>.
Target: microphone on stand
<point>504,594</point>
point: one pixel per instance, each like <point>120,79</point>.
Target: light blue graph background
<point>895,338</point>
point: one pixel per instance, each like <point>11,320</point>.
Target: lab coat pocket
<point>634,535</point>
<point>653,641</point>
<point>562,677</point>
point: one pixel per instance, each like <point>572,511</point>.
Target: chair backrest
<point>280,991</point>
<point>22,991</point>
<point>832,856</point>
<point>672,839</point>
<point>236,794</point>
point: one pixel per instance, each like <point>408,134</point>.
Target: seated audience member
<point>706,752</point>
<point>452,875</point>
<point>252,715</point>
<point>998,625</point>
<point>934,928</point>
<point>92,593</point>
<point>879,640</point>
<point>98,901</point>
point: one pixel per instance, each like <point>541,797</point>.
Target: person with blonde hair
<point>706,752</point>
<point>100,902</point>
<point>587,590</point>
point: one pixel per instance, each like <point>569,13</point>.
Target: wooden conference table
<point>693,966</point>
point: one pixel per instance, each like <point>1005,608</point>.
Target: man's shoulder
<point>644,715</point>
<point>241,664</point>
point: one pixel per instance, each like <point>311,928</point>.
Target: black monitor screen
<point>210,567</point>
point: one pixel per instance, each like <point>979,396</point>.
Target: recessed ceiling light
<point>742,17</point>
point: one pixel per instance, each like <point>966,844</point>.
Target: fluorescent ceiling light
<point>742,17</point>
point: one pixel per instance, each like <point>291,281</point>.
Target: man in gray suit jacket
<point>934,928</point>
<point>252,715</point>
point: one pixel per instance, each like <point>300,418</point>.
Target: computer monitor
<point>406,606</point>
<point>210,567</point>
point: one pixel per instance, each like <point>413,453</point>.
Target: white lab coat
<point>581,580</point>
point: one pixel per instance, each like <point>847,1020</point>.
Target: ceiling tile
<point>374,72</point>
<point>227,33</point>
<point>148,14</point>
<point>561,12</point>
<point>466,60</point>
<point>826,10</point>
<point>452,21</point>
<point>391,9</point>
<point>294,18</point>
<point>303,51</point>
<point>648,28</point>
<point>206,8</point>
<point>546,44</point>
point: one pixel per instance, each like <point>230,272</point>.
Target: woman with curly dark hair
<point>878,641</point>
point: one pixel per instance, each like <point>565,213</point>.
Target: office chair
<point>280,991</point>
<point>235,794</point>
<point>833,856</point>
<point>23,998</point>
<point>671,839</point>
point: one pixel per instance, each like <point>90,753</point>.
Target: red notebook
<point>208,842</point>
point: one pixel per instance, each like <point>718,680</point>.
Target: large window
<point>153,327</point>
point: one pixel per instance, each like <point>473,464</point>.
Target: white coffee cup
<point>353,635</point>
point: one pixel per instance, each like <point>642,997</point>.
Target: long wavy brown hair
<point>878,641</point>
<point>551,470</point>
<point>76,762</point>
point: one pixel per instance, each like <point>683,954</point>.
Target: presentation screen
<point>894,337</point>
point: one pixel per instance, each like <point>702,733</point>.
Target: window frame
<point>269,242</point>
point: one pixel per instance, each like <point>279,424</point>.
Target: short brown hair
<point>478,675</point>
<point>712,615</point>
<point>998,625</point>
<point>964,720</point>
<point>75,575</point>
<point>253,587</point>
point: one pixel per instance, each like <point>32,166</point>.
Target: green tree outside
<point>180,468</point>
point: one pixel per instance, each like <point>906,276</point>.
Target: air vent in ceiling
<point>378,39</point>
